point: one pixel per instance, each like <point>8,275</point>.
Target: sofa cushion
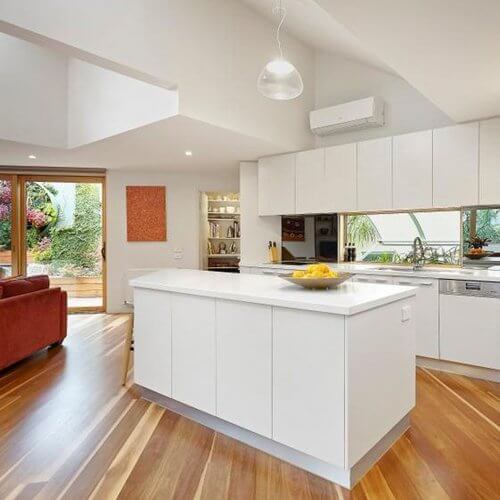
<point>20,286</point>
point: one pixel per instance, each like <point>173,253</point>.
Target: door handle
<point>103,252</point>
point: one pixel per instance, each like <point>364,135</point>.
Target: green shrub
<point>79,245</point>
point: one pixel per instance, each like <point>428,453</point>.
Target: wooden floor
<point>69,430</point>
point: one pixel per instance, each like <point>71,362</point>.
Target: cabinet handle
<point>409,283</point>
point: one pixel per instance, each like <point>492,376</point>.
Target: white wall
<point>256,232</point>
<point>32,93</point>
<point>341,80</point>
<point>183,216</point>
<point>102,103</point>
<point>212,49</point>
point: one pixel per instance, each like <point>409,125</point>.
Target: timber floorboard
<point>68,429</point>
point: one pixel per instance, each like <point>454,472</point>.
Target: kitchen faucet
<point>418,262</point>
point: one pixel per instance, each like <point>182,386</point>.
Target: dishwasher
<point>469,316</point>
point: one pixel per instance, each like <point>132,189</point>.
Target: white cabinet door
<point>375,174</point>
<point>277,185</point>
<point>412,170</point>
<point>152,338</point>
<point>244,360</point>
<point>455,165</point>
<point>489,162</point>
<point>427,314</point>
<point>340,184</point>
<point>193,351</point>
<point>378,394</point>
<point>370,278</point>
<point>469,331</point>
<point>310,176</point>
<point>308,366</point>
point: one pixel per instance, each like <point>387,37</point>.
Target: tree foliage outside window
<point>67,251</point>
<point>361,231</point>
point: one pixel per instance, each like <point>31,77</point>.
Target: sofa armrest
<point>29,322</point>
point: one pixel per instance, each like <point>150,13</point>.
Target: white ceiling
<point>446,49</point>
<point>159,146</point>
<point>316,27</point>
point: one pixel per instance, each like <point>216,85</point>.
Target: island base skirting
<point>345,477</point>
<point>489,374</point>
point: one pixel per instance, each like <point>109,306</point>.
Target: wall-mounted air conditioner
<point>368,112</point>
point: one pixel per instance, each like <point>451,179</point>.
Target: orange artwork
<point>146,213</point>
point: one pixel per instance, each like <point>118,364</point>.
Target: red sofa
<point>32,316</point>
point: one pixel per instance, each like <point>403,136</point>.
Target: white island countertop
<point>348,299</point>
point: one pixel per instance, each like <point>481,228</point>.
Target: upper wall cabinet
<point>412,170</point>
<point>339,187</point>
<point>276,178</point>
<point>310,176</point>
<point>455,165</point>
<point>489,157</point>
<point>375,174</point>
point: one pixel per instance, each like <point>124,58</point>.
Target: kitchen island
<point>321,379</point>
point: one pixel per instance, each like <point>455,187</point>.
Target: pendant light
<point>280,80</point>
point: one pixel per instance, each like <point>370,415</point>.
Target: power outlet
<point>178,253</point>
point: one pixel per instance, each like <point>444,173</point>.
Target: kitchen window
<point>388,238</point>
<point>481,230</point>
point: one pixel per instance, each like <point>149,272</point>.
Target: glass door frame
<point>16,248</point>
<point>22,254</point>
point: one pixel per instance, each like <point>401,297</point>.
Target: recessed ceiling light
<point>188,153</point>
<point>32,157</point>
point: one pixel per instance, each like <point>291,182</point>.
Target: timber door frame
<point>21,184</point>
<point>16,249</point>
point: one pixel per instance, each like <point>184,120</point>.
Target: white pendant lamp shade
<point>280,80</point>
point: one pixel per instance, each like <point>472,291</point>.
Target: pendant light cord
<point>280,10</point>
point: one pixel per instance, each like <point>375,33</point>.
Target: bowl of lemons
<point>317,276</point>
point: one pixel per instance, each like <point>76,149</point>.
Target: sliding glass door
<point>63,230</point>
<point>8,227</point>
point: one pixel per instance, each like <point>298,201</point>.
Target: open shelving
<point>220,231</point>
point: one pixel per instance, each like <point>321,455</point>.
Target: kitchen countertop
<point>426,272</point>
<point>349,298</point>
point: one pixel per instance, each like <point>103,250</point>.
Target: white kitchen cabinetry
<point>310,177</point>
<point>455,165</point>
<point>308,366</point>
<point>427,313</point>
<point>340,184</point>
<point>375,174</point>
<point>412,170</point>
<point>244,360</point>
<point>489,162</point>
<point>152,338</point>
<point>276,179</point>
<point>193,351</point>
<point>470,338</point>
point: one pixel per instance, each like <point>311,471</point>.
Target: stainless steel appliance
<point>470,288</point>
<point>469,316</point>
